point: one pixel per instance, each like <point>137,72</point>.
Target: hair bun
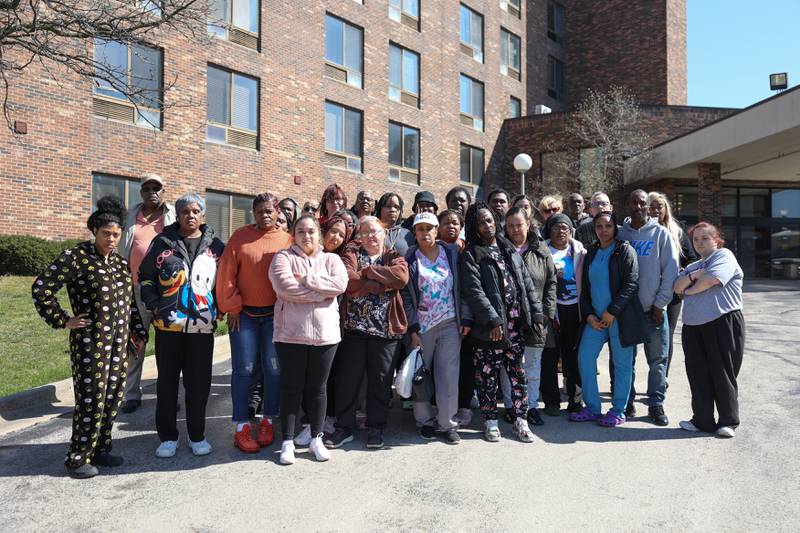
<point>109,209</point>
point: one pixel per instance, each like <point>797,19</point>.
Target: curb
<point>33,406</point>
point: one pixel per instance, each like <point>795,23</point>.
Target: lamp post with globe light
<point>522,164</point>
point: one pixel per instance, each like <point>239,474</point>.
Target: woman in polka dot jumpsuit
<point>101,295</point>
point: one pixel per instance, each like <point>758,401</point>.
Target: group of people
<point>324,303</point>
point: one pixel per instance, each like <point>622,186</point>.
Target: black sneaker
<point>130,406</point>
<point>552,410</point>
<point>574,407</point>
<point>338,438</point>
<point>106,459</point>
<point>375,439</point>
<point>656,414</point>
<point>82,472</point>
<point>630,410</point>
<point>452,437</point>
<point>427,432</point>
<point>534,418</point>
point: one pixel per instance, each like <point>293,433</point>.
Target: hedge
<point>23,255</point>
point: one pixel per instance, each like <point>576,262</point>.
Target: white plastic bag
<point>404,380</point>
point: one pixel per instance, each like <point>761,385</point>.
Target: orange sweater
<point>242,273</point>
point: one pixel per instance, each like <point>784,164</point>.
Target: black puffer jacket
<point>539,261</point>
<point>623,277</point>
<point>482,289</point>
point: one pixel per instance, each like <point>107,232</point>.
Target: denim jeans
<point>656,350</point>
<point>592,342</point>
<point>252,340</point>
<point>533,370</point>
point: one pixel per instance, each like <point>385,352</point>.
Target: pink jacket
<point>307,313</point>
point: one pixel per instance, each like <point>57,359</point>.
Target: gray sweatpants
<point>133,383</point>
<point>441,349</point>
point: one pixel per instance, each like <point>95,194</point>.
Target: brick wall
<point>48,172</point>
<point>530,134</point>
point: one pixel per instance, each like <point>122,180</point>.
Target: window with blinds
<point>231,108</point>
<point>471,33</point>
<point>126,189</point>
<point>228,212</point>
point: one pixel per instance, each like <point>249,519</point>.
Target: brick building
<point>291,96</point>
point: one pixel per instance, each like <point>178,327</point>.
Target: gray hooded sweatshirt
<point>658,264</point>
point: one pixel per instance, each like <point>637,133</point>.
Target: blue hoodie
<point>658,263</point>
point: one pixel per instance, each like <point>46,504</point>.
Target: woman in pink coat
<point>307,281</point>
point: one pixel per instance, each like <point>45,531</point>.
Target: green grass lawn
<point>31,352</point>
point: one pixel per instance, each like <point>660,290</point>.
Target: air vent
<point>513,10</point>
<point>243,38</point>
<point>113,110</point>
<point>467,121</point>
<point>513,73</point>
<point>336,73</point>
<point>335,160</point>
<point>409,99</point>
<point>241,138</point>
<point>409,177</point>
<point>466,50</point>
<point>410,21</point>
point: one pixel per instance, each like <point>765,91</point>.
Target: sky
<point>734,45</point>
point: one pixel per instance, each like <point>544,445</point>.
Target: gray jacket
<point>126,241</point>
<point>658,263</point>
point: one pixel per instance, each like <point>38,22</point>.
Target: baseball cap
<point>151,176</point>
<point>426,218</point>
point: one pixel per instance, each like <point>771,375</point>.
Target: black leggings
<point>304,375</point>
<point>466,375</point>
<point>190,354</point>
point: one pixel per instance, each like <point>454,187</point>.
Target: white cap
<point>426,218</point>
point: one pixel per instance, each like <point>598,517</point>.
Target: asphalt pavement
<point>637,477</point>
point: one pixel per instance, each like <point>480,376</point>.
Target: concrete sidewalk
<point>40,404</point>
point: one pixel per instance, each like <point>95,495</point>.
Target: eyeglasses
<point>372,234</point>
<point>154,188</point>
<point>551,210</point>
<point>600,204</point>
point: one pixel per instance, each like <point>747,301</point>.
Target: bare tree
<point>64,34</point>
<point>603,132</point>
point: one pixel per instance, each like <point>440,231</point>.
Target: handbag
<point>423,380</point>
<point>404,380</point>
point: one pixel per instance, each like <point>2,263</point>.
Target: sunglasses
<point>552,210</point>
<point>154,188</point>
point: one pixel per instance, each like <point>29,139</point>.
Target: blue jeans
<point>592,342</point>
<point>656,350</point>
<point>254,339</point>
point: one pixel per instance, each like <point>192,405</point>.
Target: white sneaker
<point>726,432</point>
<point>522,431</point>
<point>304,437</point>
<point>167,449</point>
<point>491,431</point>
<point>287,453</point>
<point>328,427</point>
<point>464,417</point>
<point>688,426</point>
<point>200,448</point>
<point>318,449</point>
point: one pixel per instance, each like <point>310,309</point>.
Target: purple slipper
<point>611,419</point>
<point>584,415</point>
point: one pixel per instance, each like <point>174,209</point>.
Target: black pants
<point>548,386</point>
<point>673,312</point>
<point>713,354</point>
<point>569,321</point>
<point>466,375</point>
<point>304,377</point>
<point>377,355</point>
<point>190,354</point>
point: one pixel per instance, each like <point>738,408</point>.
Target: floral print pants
<point>487,375</point>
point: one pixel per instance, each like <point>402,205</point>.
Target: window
<point>471,102</point>
<point>343,51</point>
<point>403,153</point>
<point>232,108</point>
<point>228,212</point>
<point>134,71</point>
<point>405,11</point>
<point>514,107</point>
<point>555,22</point>
<point>509,54</point>
<point>471,165</point>
<point>343,132</point>
<point>512,7</point>
<point>472,33</point>
<point>126,189</point>
<point>403,75</point>
<point>235,21</point>
<point>555,78</point>
<point>786,203</point>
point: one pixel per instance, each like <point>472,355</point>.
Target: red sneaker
<point>265,433</point>
<point>244,441</point>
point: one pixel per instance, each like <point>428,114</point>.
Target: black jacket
<point>482,289</point>
<point>539,261</point>
<point>623,277</point>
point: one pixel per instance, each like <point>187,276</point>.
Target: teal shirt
<point>599,281</point>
